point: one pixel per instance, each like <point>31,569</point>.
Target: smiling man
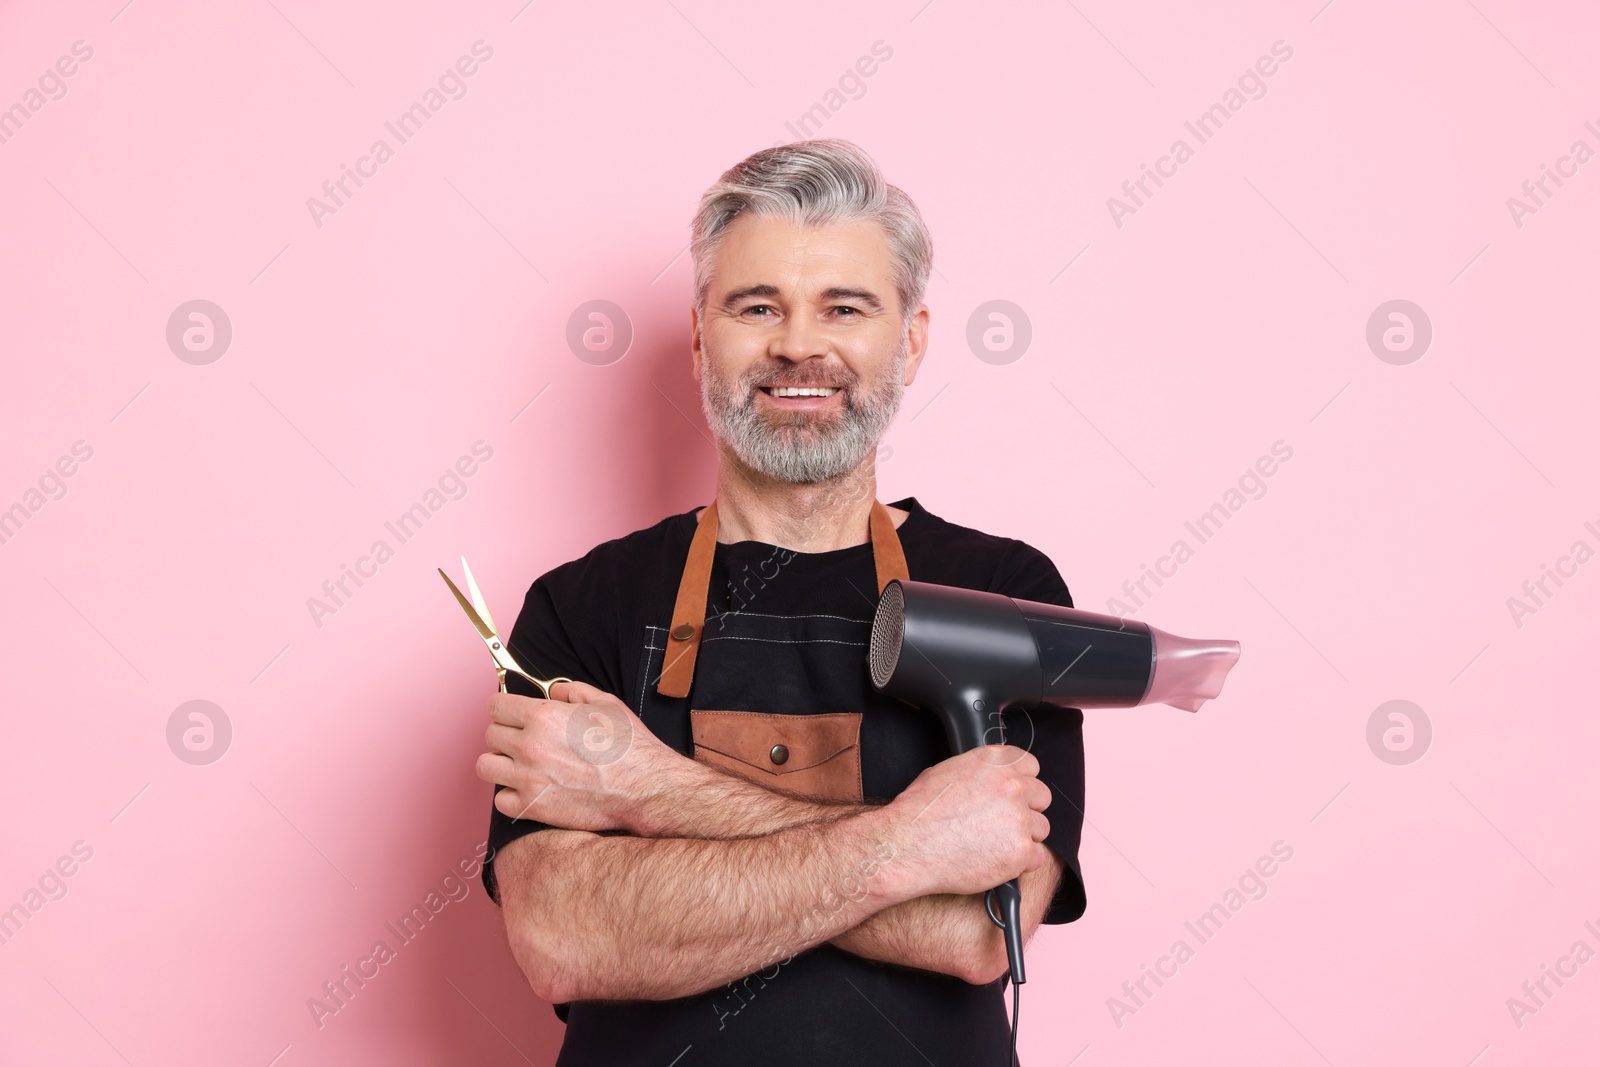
<point>722,846</point>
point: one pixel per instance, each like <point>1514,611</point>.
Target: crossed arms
<point>717,877</point>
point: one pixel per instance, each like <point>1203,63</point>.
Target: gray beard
<point>803,447</point>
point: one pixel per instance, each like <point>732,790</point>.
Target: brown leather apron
<point>814,754</point>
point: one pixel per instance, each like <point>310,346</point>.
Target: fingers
<point>579,693</point>
<point>514,710</point>
<point>508,709</point>
<point>1021,759</point>
<point>511,803</point>
<point>1026,762</point>
<point>496,767</point>
<point>516,804</point>
<point>503,739</point>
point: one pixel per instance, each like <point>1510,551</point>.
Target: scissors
<point>478,611</point>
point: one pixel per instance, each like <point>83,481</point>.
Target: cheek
<point>873,359</point>
<point>731,344</point>
<point>728,357</point>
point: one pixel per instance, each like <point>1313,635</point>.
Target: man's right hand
<point>970,823</point>
<point>581,760</point>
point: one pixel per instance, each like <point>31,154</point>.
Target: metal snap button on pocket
<point>779,754</point>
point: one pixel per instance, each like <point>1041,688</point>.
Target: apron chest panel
<point>805,755</point>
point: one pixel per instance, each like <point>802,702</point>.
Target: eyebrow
<point>867,297</point>
<point>837,292</point>
<point>748,291</point>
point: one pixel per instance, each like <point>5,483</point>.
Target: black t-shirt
<point>602,619</point>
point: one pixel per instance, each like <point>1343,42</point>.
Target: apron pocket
<point>806,755</point>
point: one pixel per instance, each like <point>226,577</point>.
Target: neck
<point>816,517</point>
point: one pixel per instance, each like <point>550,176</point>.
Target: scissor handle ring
<point>545,684</point>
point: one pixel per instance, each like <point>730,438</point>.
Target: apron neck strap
<point>689,612</point>
<point>888,558</point>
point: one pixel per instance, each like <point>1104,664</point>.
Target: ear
<point>916,342</point>
<point>694,340</point>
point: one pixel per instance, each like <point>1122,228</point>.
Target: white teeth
<point>794,390</point>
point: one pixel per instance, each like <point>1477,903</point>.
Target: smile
<point>798,390</point>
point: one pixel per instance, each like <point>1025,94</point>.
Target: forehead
<point>760,249</point>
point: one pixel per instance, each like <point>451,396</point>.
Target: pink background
<point>1168,354</point>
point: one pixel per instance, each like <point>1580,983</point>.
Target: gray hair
<point>813,183</point>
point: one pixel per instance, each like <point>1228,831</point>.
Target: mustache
<point>786,377</point>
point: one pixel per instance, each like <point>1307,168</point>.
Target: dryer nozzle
<point>1188,671</point>
<point>943,648</point>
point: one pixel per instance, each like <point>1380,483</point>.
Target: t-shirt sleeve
<point>1054,735</point>
<point>542,644</point>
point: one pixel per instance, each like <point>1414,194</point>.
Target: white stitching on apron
<point>779,641</point>
<point>650,647</point>
<point>761,615</point>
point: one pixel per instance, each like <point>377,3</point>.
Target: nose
<point>799,338</point>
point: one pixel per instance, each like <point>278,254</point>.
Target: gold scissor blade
<point>477,597</point>
<point>485,631</point>
<point>504,661</point>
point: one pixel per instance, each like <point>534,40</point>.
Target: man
<point>743,853</point>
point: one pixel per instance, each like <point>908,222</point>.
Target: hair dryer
<point>968,655</point>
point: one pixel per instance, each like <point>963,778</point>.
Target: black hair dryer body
<point>968,655</point>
